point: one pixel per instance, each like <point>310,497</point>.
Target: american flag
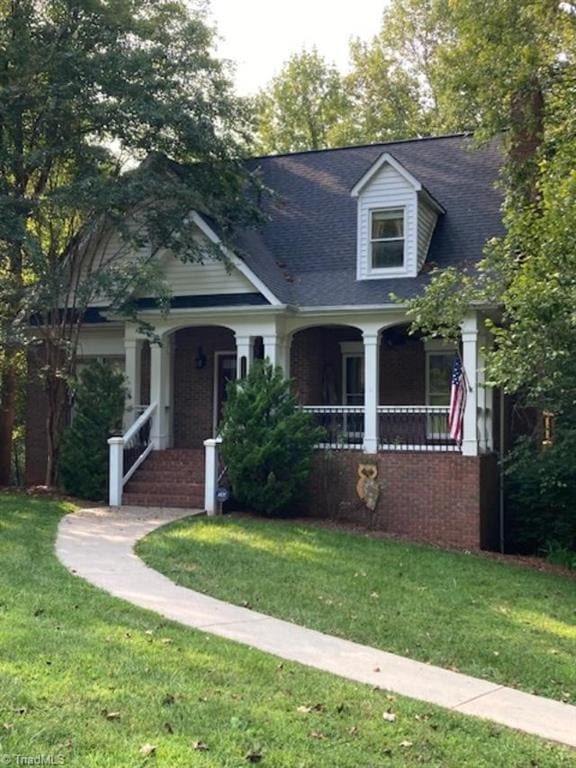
<point>457,400</point>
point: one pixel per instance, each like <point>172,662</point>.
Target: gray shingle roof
<point>306,254</point>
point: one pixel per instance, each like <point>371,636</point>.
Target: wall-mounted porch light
<point>200,359</point>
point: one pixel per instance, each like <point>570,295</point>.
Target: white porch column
<point>132,370</point>
<point>161,391</point>
<point>371,390</point>
<point>485,398</point>
<point>211,447</point>
<point>470,443</point>
<point>244,352</point>
<point>277,350</point>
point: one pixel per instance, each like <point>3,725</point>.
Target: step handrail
<point>139,423</point>
<point>119,476</point>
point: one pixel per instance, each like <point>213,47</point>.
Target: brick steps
<point>171,478</point>
<point>150,500</point>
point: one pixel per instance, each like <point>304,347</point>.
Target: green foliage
<point>540,493</point>
<point>268,441</point>
<point>98,411</point>
<point>302,107</point>
<point>559,555</point>
<point>117,121</point>
<point>522,79</point>
<point>396,81</point>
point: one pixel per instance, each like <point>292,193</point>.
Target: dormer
<point>396,221</point>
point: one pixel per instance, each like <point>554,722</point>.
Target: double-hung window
<point>387,238</point>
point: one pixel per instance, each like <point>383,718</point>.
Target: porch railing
<point>414,428</point>
<point>400,428</point>
<point>128,452</point>
<point>343,425</point>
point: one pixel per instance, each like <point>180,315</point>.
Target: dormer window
<point>387,238</point>
<point>396,221</point>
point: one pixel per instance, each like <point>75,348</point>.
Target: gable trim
<point>385,159</point>
<point>240,265</point>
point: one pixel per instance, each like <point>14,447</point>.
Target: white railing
<point>400,427</point>
<point>128,452</point>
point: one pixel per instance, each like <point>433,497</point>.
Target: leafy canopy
<point>116,122</point>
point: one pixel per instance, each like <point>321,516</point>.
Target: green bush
<point>98,410</point>
<point>541,493</point>
<point>267,442</point>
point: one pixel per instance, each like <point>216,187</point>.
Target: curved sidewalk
<point>97,544</point>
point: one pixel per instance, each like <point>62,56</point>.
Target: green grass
<point>90,680</point>
<point>465,612</point>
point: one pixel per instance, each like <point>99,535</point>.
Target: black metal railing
<point>400,427</point>
<point>414,428</point>
<point>343,425</point>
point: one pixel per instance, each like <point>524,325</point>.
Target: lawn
<point>89,681</point>
<point>464,612</point>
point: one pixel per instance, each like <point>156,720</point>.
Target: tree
<point>384,99</point>
<point>519,68</point>
<point>396,80</point>
<point>302,106</point>
<point>268,441</point>
<point>83,87</point>
<point>99,400</point>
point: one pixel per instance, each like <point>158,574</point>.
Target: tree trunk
<point>527,132</point>
<point>56,418</point>
<point>8,391</point>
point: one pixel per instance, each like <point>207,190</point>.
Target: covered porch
<point>370,385</point>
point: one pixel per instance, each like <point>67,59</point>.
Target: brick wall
<point>316,364</point>
<point>402,373</point>
<point>444,498</point>
<point>193,394</point>
<point>316,357</point>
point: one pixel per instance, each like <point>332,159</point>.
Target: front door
<point>224,372</point>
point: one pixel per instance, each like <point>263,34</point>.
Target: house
<point>311,291</point>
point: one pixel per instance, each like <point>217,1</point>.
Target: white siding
<point>211,277</point>
<point>427,218</point>
<point>388,189</point>
<point>101,342</point>
<point>185,278</point>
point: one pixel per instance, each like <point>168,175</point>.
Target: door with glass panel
<point>224,373</point>
<point>438,384</point>
<point>353,394</point>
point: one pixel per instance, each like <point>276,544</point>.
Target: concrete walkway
<point>97,544</point>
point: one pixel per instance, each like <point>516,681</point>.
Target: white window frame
<point>436,347</point>
<point>351,349</point>
<point>386,270</point>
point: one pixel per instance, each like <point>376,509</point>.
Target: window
<point>439,378</point>
<point>438,385</point>
<point>387,238</point>
<point>353,379</point>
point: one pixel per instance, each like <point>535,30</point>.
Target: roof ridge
<point>462,134</point>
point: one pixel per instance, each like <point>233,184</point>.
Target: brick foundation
<point>444,498</point>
